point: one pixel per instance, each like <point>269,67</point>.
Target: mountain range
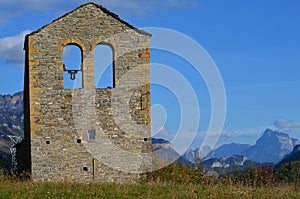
<point>271,147</point>
<point>227,150</point>
<point>11,114</point>
<point>227,163</point>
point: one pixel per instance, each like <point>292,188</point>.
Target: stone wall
<point>60,122</point>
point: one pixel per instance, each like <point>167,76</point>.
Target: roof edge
<point>105,10</point>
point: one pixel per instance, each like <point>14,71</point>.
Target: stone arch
<point>72,65</point>
<point>106,68</point>
<point>102,40</point>
<point>75,42</point>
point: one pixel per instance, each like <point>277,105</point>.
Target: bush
<point>178,174</point>
<point>252,176</point>
<point>289,172</point>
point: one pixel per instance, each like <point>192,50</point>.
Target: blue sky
<point>255,44</point>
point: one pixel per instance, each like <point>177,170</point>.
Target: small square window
<point>92,134</point>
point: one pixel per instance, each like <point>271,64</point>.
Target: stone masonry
<point>86,134</point>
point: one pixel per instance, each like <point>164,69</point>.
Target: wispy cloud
<point>11,48</point>
<point>11,8</point>
<point>285,124</point>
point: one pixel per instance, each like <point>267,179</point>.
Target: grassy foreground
<point>173,181</point>
<point>13,189</point>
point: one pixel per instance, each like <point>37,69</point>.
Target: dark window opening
<point>72,62</point>
<point>47,142</point>
<point>104,66</point>
<point>92,134</point>
<point>78,141</point>
<point>145,139</point>
<point>85,169</point>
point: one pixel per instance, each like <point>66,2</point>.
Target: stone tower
<point>86,134</point>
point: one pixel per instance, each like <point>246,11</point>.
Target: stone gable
<point>87,134</point>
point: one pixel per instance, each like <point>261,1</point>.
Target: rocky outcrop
<point>292,157</point>
<point>165,152</point>
<point>11,114</point>
<point>11,126</point>
<point>161,143</point>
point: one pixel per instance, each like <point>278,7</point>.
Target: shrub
<point>252,176</point>
<point>179,174</point>
<point>289,172</point>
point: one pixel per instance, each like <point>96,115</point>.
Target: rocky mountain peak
<point>274,134</point>
<point>293,156</point>
<point>194,155</point>
<point>14,101</point>
<point>11,116</point>
<point>272,146</point>
<point>161,143</point>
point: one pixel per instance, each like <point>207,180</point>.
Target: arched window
<point>72,57</point>
<point>104,66</point>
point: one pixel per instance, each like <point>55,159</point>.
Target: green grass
<point>172,181</point>
<point>14,189</point>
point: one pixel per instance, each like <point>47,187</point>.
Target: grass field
<point>14,189</point>
<point>172,181</point>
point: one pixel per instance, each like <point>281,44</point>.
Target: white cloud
<point>11,48</point>
<point>287,124</point>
